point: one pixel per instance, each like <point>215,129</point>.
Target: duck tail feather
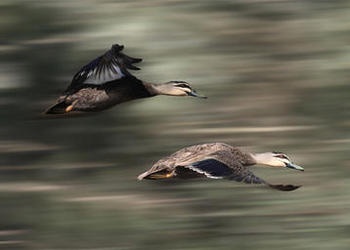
<point>58,108</point>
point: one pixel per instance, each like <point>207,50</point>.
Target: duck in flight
<point>218,161</point>
<point>106,81</point>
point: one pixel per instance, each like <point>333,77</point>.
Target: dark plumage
<point>106,81</point>
<point>217,161</point>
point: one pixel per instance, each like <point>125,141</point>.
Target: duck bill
<point>195,94</point>
<point>294,166</point>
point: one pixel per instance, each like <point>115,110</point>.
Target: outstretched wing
<point>110,66</point>
<point>215,169</point>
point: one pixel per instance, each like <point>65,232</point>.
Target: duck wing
<point>112,65</point>
<point>216,169</point>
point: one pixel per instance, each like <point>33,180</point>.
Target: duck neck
<point>246,159</point>
<point>153,88</point>
<point>261,158</point>
<point>162,89</point>
<point>249,159</point>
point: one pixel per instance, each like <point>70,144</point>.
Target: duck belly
<point>89,99</point>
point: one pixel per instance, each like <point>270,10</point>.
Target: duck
<point>106,81</point>
<point>219,161</point>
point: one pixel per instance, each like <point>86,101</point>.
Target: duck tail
<point>58,108</point>
<point>163,174</point>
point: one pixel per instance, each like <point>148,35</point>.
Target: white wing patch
<point>208,175</point>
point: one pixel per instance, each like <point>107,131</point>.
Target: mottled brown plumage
<point>217,161</point>
<point>106,81</point>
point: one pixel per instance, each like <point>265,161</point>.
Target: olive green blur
<point>276,73</point>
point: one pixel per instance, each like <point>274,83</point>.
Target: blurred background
<point>276,73</point>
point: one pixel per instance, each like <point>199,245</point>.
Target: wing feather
<point>110,66</point>
<point>211,168</point>
<point>215,169</point>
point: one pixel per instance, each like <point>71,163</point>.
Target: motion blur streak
<point>277,76</point>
